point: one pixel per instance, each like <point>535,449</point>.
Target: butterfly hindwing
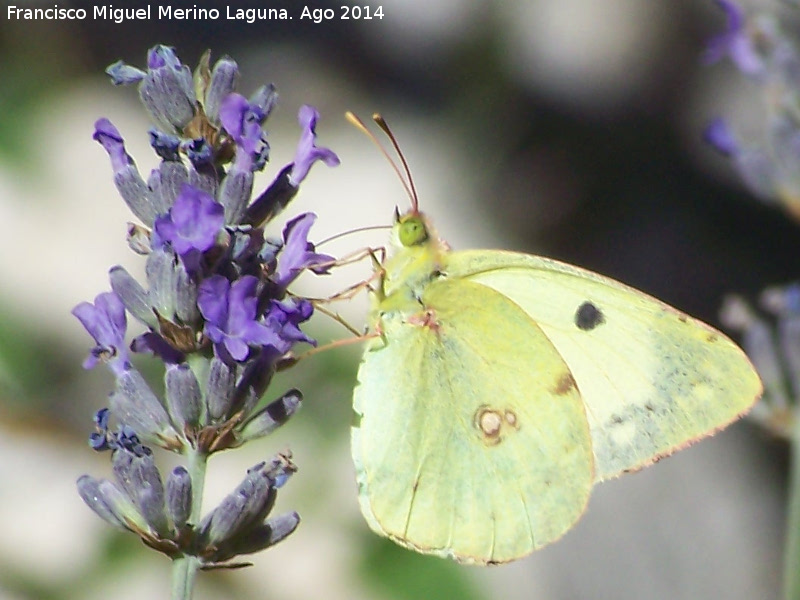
<point>472,439</point>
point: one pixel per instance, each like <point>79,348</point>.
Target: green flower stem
<point>184,569</point>
<point>197,471</point>
<point>791,573</point>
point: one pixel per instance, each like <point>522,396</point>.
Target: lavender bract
<point>213,310</point>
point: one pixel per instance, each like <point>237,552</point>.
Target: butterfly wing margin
<point>429,476</point>
<point>653,379</point>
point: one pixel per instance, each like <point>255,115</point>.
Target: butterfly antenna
<point>359,124</point>
<point>381,122</point>
<point>351,231</point>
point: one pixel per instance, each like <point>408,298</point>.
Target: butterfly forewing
<point>653,380</point>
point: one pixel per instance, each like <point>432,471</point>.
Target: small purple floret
<point>231,319</point>
<point>109,137</point>
<point>307,152</point>
<point>232,322</point>
<point>242,120</point>
<point>720,137</point>
<point>192,223</point>
<point>734,42</point>
<point>285,318</point>
<point>124,74</point>
<point>106,322</point>
<point>98,440</point>
<point>298,253</point>
<point>165,145</point>
<point>163,56</point>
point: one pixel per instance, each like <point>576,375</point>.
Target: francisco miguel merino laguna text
<point>168,12</point>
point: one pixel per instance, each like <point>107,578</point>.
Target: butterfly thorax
<point>417,259</point>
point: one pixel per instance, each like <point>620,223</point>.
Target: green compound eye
<point>412,232</point>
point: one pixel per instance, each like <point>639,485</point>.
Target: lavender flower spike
<point>106,323</point>
<point>307,152</point>
<point>214,280</point>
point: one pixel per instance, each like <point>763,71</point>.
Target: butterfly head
<point>411,229</point>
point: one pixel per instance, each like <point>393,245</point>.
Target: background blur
<point>569,128</point>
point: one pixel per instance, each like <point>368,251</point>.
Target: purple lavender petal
<point>129,183</point>
<point>193,222</point>
<point>242,120</point>
<point>106,323</point>
<point>212,299</point>
<point>719,135</point>
<point>285,318</point>
<point>734,42</point>
<point>307,152</point>
<point>231,320</point>
<point>109,137</point>
<point>298,253</point>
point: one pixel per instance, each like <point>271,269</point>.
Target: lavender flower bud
<point>204,175</point>
<point>235,193</point>
<point>265,98</point>
<point>167,91</point>
<point>123,74</point>
<point>789,336</point>
<point>135,405</point>
<point>239,509</point>
<point>139,477</point>
<point>219,390</point>
<point>122,507</point>
<point>89,490</point>
<point>254,382</point>
<point>183,396</point>
<point>161,279</point>
<point>179,497</point>
<point>223,81</point>
<point>271,417</point>
<point>759,344</point>
<point>262,536</point>
<point>166,183</point>
<point>139,239</point>
<point>272,200</point>
<point>153,343</point>
<point>186,297</point>
<point>133,296</point>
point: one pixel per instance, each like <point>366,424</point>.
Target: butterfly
<point>499,387</point>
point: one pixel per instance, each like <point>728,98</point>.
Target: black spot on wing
<point>588,316</point>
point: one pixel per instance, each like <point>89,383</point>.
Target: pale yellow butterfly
<point>502,386</point>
